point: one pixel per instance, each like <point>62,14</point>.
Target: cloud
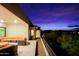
<point>73,26</point>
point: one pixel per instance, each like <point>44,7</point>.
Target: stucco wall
<point>38,33</point>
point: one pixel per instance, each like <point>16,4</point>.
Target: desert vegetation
<point>63,43</point>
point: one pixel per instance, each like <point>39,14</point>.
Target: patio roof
<point>15,8</point>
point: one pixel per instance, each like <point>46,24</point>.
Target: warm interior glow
<point>1,21</point>
<point>8,17</point>
<point>15,21</point>
<point>15,26</point>
<point>38,33</point>
<point>32,32</point>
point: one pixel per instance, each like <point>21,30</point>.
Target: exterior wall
<point>38,34</point>
<point>35,32</point>
<point>29,32</point>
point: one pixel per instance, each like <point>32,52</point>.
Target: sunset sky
<point>52,16</point>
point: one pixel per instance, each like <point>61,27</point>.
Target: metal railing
<point>43,49</point>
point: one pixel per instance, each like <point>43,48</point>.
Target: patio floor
<point>28,50</point>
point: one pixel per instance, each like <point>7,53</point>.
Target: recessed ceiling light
<point>1,21</point>
<point>15,21</point>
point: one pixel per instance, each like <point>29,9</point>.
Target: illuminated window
<point>32,32</point>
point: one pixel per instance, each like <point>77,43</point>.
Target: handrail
<point>50,51</point>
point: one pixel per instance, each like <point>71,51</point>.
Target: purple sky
<point>52,16</point>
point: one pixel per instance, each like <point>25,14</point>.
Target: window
<point>2,31</point>
<point>32,32</point>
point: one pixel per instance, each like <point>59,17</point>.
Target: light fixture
<point>15,21</point>
<point>1,21</point>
